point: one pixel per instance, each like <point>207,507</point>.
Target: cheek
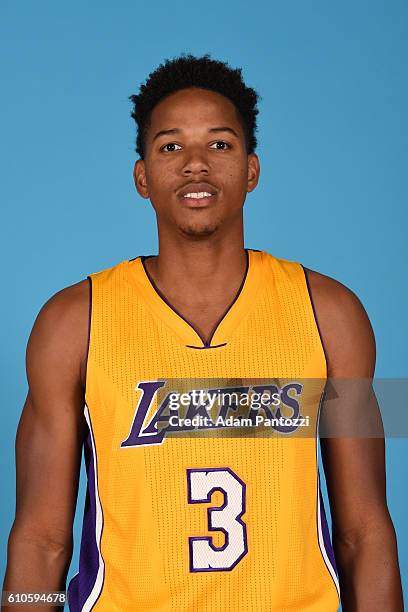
<point>235,174</point>
<point>160,177</point>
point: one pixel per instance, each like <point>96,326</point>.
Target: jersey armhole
<point>316,320</point>
<point>89,333</point>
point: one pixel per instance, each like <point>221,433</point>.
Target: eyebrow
<point>211,130</point>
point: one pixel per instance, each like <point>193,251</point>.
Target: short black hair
<point>189,71</point>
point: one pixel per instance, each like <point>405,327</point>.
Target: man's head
<point>196,135</point>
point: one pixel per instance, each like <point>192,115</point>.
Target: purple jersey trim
<point>325,530</point>
<point>163,297</point>
<point>206,347</point>
<point>86,586</point>
<point>323,534</point>
<point>89,326</point>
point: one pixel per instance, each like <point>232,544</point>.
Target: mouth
<point>198,198</point>
<point>197,195</point>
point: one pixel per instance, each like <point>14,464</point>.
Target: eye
<point>169,147</point>
<point>220,145</point>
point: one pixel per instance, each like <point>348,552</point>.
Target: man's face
<point>195,145</point>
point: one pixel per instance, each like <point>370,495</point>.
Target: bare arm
<point>48,446</point>
<point>364,539</point>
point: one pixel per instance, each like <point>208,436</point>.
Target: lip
<point>194,187</point>
<point>198,203</point>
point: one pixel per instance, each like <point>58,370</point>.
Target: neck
<point>199,272</point>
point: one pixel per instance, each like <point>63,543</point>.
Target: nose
<point>195,162</point>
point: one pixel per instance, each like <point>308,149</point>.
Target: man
<point>197,522</point>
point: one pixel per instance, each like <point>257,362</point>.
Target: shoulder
<point>60,330</point>
<point>65,307</point>
<point>345,327</point>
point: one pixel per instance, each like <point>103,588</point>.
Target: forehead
<point>194,108</point>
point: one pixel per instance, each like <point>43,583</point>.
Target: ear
<point>139,175</point>
<point>253,171</point>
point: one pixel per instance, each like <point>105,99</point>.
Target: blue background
<point>332,144</point>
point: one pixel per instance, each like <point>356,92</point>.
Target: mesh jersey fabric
<point>148,497</point>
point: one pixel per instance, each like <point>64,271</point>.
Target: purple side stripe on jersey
<point>325,531</point>
<point>86,586</point>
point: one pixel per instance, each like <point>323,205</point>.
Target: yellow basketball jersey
<point>183,517</point>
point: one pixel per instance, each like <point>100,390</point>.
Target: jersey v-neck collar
<point>183,328</point>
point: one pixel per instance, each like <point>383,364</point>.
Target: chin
<point>198,231</point>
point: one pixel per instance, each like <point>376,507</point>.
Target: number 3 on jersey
<point>201,483</point>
